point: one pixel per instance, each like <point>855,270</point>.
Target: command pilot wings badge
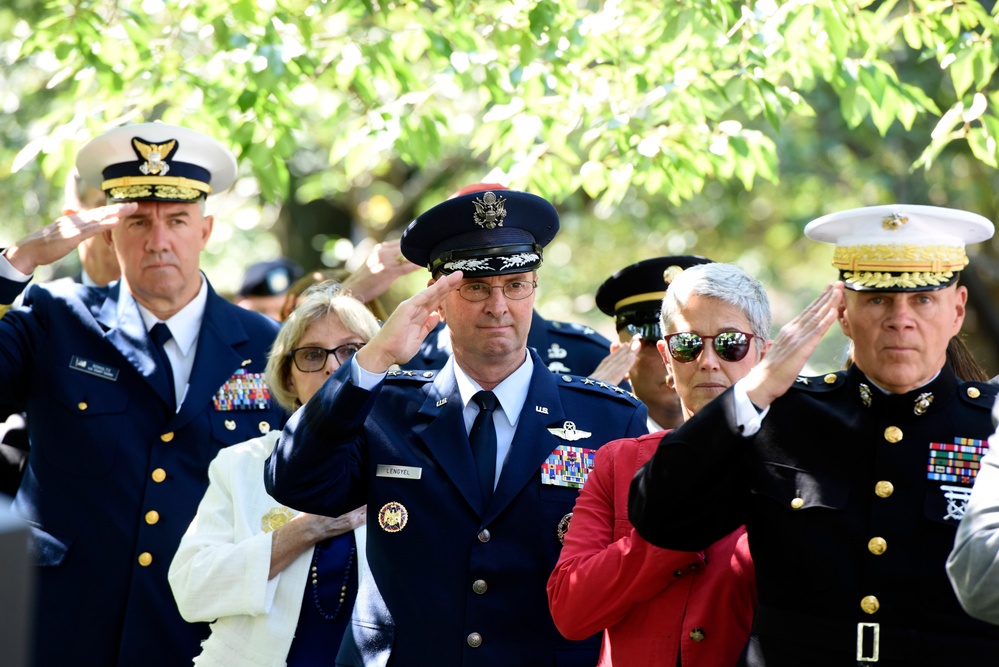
<point>569,432</point>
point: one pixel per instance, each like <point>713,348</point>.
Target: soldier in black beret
<point>851,484</point>
<point>633,297</point>
<point>265,285</point>
<point>470,474</point>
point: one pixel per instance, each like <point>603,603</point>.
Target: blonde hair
<point>315,303</point>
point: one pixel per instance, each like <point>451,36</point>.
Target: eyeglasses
<point>313,359</point>
<point>730,345</point>
<point>517,290</point>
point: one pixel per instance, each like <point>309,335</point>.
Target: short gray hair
<point>317,302</point>
<point>727,283</point>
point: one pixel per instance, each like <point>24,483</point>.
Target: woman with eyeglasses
<point>657,606</point>
<point>280,583</point>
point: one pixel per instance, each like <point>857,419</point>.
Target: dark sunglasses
<point>730,345</point>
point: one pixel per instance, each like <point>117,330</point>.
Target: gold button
<point>884,489</point>
<point>474,640</point>
<point>679,573</point>
<point>877,546</point>
<point>145,559</point>
<point>159,475</point>
<point>264,427</point>
<point>694,567</point>
<point>152,516</point>
<point>893,434</point>
<point>484,536</point>
<point>973,392</point>
<point>479,587</point>
<point>697,634</point>
<point>870,604</point>
<point>167,437</point>
<point>829,379</point>
<point>797,503</point>
<point>230,425</point>
<point>82,405</point>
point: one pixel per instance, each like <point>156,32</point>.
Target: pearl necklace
<point>343,586</point>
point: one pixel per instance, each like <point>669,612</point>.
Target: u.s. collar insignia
<point>393,517</point>
<point>563,527</point>
<point>275,518</point>
<point>155,156</point>
<point>894,221</point>
<point>489,211</point>
<point>569,432</point>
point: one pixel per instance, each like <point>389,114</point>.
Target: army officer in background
<point>633,297</point>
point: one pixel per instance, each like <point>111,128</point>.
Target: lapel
<point>531,444</point>
<point>127,333</point>
<point>215,358</point>
<point>445,436</point>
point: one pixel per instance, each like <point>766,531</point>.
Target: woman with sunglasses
<point>658,606</point>
<point>280,583</point>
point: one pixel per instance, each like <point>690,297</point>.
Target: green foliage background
<point>715,128</point>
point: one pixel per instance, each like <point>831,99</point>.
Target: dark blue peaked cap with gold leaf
<point>156,162</point>
<point>487,233</point>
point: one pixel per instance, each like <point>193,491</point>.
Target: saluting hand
<point>56,240</point>
<point>403,332</point>
<point>614,368</point>
<point>795,342</point>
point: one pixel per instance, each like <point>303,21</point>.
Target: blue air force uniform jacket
<point>851,499</point>
<point>464,582</point>
<point>564,347</point>
<point>114,476</point>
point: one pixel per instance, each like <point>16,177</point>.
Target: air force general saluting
<point>465,517</point>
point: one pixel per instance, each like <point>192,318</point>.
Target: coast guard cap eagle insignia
<point>569,432</point>
<point>489,210</point>
<point>393,517</point>
<point>155,156</point>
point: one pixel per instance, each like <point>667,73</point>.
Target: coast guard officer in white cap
<point>131,389</point>
<point>470,474</point>
<point>851,484</point>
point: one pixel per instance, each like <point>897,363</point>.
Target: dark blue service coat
<point>465,583</point>
<point>114,477</point>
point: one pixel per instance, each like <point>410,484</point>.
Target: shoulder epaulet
<point>982,394</point>
<point>415,376</point>
<point>577,330</point>
<point>589,384</point>
<point>820,383</point>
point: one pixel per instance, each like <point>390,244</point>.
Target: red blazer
<point>650,602</point>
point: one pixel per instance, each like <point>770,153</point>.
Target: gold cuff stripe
<point>176,181</point>
<point>897,258</point>
<point>638,298</point>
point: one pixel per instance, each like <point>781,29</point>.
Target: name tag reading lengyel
<point>405,472</point>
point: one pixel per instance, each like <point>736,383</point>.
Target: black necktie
<point>483,439</point>
<point>160,333</point>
